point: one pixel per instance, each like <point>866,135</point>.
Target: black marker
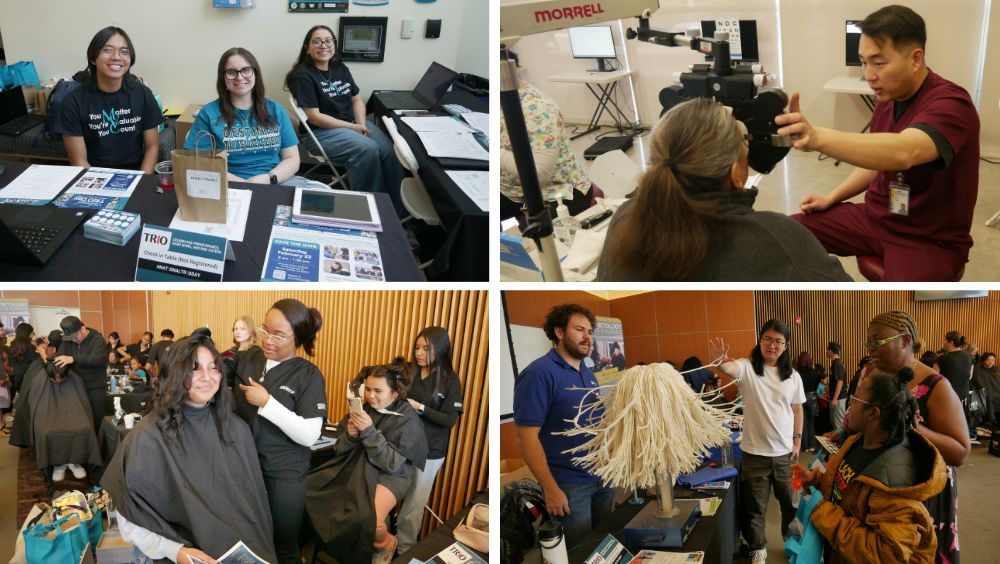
<point>592,221</point>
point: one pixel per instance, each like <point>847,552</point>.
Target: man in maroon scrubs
<point>918,166</point>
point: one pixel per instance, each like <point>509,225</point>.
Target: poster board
<point>45,319</point>
<point>12,312</point>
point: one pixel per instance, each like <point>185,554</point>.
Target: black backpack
<point>59,93</point>
<point>517,521</point>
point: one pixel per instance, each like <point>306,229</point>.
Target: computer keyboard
<point>400,99</point>
<point>18,124</point>
<point>35,238</point>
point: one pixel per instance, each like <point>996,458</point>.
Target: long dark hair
<point>226,109</point>
<point>666,231</point>
<point>440,343</point>
<point>114,335</point>
<point>395,375</point>
<point>891,394</point>
<point>305,321</point>
<point>94,51</point>
<point>784,361</point>
<point>304,61</point>
<point>176,368</point>
<point>22,341</point>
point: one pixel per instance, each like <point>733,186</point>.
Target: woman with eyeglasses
<point>331,99</point>
<point>379,447</point>
<point>254,129</point>
<point>283,398</point>
<point>772,429</point>
<point>110,119</point>
<point>436,394</point>
<point>186,481</point>
<point>691,218</point>
<point>891,342</point>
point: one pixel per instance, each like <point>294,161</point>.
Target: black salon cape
<point>55,419</point>
<point>208,495</point>
<point>341,492</point>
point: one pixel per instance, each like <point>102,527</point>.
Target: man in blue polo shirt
<point>543,402</point>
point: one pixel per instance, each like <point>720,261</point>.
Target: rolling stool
<point>873,269</point>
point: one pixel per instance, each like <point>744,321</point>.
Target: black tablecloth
<point>109,437</point>
<point>83,259</point>
<point>443,536</point>
<point>131,402</point>
<point>465,254</point>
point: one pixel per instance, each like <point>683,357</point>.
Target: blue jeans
<point>589,504</point>
<point>371,162</point>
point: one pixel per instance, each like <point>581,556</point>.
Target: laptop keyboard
<point>35,238</point>
<point>401,100</point>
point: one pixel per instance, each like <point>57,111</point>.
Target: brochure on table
<point>101,188</point>
<point>475,184</point>
<point>38,184</point>
<point>313,253</point>
<point>170,255</point>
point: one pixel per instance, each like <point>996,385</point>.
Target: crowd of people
<point>889,492</point>
<point>250,414</point>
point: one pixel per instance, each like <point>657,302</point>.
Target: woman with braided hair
<point>940,418</point>
<point>874,492</point>
<point>691,218</point>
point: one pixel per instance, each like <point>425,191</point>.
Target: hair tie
<point>672,164</point>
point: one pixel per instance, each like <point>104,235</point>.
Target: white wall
<point>989,109</point>
<point>178,42</point>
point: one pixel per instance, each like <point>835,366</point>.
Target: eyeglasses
<point>856,398</point>
<point>770,341</point>
<point>263,335</point>
<point>876,343</point>
<point>110,51</point>
<point>322,42</point>
<point>247,72</point>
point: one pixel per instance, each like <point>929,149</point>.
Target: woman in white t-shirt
<point>772,430</point>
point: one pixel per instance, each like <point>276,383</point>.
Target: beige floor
<point>800,174</point>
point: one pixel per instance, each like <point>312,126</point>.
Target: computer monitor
<point>593,42</point>
<point>748,50</point>
<point>362,39</point>
<point>852,41</point>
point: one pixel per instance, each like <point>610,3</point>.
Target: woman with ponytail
<point>876,485</point>
<point>691,219</point>
<point>379,447</point>
<point>282,397</point>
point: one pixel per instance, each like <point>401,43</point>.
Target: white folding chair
<point>321,156</point>
<point>615,173</point>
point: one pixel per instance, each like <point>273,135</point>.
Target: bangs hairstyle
<point>559,316</point>
<point>94,51</point>
<point>304,61</point>
<point>440,344</point>
<point>176,370</point>
<point>784,361</point>
<point>226,109</point>
<point>305,321</point>
<point>666,230</point>
<point>899,24</point>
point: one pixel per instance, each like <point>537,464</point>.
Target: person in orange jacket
<point>874,487</point>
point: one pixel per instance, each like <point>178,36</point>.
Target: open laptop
<point>425,96</point>
<point>32,234</point>
<point>14,116</point>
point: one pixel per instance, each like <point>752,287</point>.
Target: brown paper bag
<point>200,183</point>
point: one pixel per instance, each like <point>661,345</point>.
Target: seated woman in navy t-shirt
<point>112,119</point>
<point>260,139</point>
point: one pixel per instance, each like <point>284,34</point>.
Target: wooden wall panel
<point>843,316</point>
<point>529,308</point>
<point>680,312</point>
<point>371,327</point>
<point>508,442</point>
<point>637,310</point>
<point>97,311</point>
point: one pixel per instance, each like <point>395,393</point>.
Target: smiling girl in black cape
<point>377,450</point>
<point>186,481</point>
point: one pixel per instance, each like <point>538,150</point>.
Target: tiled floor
<point>800,174</point>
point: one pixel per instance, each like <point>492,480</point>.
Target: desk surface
<point>591,77</point>
<point>464,254</point>
<point>77,260</point>
<point>848,85</point>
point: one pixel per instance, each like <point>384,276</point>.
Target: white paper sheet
<point>478,120</point>
<point>475,184</point>
<point>38,184</point>
<point>237,211</point>
<point>441,124</point>
<point>453,145</point>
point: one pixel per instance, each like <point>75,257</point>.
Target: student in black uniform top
<point>326,91</point>
<point>376,453</point>
<point>141,348</point>
<point>111,120</point>
<point>186,481</point>
<point>283,398</point>
<point>85,350</point>
<point>436,394</point>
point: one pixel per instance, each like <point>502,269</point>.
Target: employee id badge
<point>899,198</point>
